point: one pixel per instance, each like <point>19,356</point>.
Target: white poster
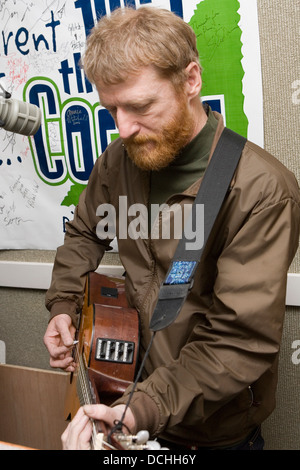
<point>42,176</point>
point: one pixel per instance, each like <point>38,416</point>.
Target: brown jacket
<point>211,376</point>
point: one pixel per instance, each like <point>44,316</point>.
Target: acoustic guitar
<point>106,351</point>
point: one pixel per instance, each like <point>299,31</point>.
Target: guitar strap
<point>213,188</point>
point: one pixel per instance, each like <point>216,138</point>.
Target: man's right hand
<point>58,340</point>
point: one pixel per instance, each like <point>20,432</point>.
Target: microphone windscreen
<point>19,117</point>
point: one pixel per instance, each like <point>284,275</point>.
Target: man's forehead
<point>109,96</point>
<point>137,88</point>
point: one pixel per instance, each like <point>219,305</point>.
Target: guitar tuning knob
<point>153,445</point>
<point>142,437</point>
<point>139,441</point>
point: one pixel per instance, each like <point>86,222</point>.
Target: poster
<point>42,41</point>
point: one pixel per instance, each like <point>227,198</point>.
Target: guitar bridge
<point>114,350</point>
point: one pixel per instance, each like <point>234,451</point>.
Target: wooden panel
<point>32,406</point>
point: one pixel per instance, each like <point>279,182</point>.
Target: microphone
<point>18,116</point>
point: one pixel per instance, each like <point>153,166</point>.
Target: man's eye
<point>141,109</point>
<point>136,109</point>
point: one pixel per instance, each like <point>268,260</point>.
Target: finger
<point>67,363</point>
<point>65,330</point>
<point>60,332</point>
<point>67,337</point>
<point>54,344</point>
<point>58,351</point>
<point>64,436</point>
<point>81,430</point>
<point>105,414</point>
<point>99,412</point>
<point>78,433</point>
<point>70,368</point>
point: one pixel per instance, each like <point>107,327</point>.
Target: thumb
<point>66,329</point>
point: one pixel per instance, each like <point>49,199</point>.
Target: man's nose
<point>126,123</point>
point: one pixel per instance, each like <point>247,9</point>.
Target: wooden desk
<point>32,407</point>
<point>9,446</point>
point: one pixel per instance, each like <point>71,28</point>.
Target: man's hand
<point>58,340</point>
<point>77,435</point>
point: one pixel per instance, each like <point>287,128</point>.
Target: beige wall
<point>23,317</point>
<point>279,36</point>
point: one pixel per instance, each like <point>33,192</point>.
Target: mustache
<point>142,140</point>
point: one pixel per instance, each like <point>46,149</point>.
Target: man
<point>209,379</point>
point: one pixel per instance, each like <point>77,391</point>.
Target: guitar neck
<point>86,392</point>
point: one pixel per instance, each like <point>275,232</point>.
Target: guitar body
<point>108,343</point>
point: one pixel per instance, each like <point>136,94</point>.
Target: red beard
<point>154,152</point>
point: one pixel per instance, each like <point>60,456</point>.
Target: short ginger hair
<point>127,40</point>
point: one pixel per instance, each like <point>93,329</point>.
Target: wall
<point>23,317</point>
<point>279,36</point>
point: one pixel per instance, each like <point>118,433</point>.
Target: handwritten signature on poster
<point>9,203</point>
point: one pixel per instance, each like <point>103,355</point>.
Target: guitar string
<point>120,424</point>
<point>84,397</point>
<point>85,393</point>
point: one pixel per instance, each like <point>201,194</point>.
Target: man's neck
<point>200,117</point>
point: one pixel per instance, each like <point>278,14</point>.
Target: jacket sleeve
<point>82,250</point>
<point>239,339</point>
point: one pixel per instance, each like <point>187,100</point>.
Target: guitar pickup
<point>114,350</point>
<point>109,292</point>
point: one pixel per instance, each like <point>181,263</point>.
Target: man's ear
<point>193,83</point>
